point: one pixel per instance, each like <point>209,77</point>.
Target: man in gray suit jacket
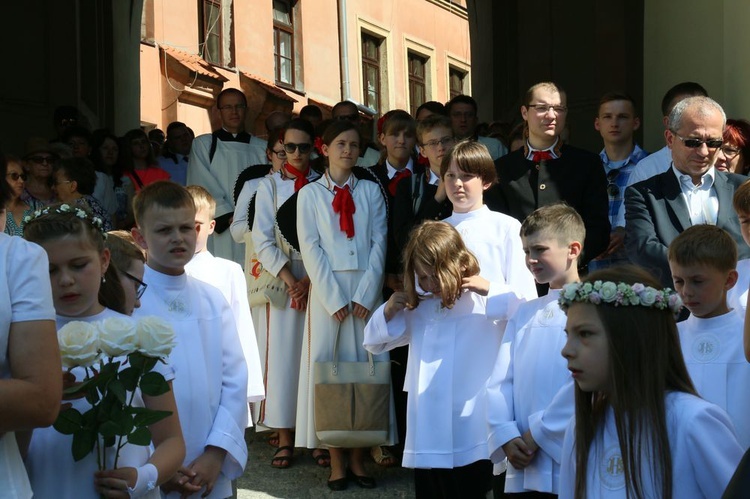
<point>691,192</point>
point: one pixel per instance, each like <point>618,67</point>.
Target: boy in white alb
<point>530,392</point>
<point>227,277</point>
<point>737,296</point>
<point>703,260</point>
<point>467,171</point>
<point>211,392</point>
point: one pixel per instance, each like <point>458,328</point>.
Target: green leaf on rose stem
<point>109,441</point>
<point>116,388</point>
<point>79,388</point>
<point>83,444</point>
<point>92,396</point>
<point>150,417</point>
<point>153,384</point>
<point>108,429</point>
<point>124,422</point>
<point>68,421</point>
<point>137,360</point>
<point>149,363</point>
<point>129,378</point>
<point>141,436</point>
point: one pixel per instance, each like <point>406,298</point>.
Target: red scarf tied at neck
<point>300,178</point>
<point>539,156</point>
<point>396,179</point>
<point>343,204</point>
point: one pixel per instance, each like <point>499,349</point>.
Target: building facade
<point>285,54</point>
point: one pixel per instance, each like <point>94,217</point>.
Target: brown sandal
<point>283,462</point>
<point>382,456</point>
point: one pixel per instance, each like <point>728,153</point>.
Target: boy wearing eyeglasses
<point>546,171</point>
<point>217,159</point>
<point>616,121</point>
<point>691,192</point>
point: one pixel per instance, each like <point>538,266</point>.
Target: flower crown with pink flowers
<point>620,295</point>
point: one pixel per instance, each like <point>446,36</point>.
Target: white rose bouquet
<point>118,356</point>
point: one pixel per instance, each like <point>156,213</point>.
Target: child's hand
<point>341,314</point>
<point>206,469</point>
<point>396,303</point>
<point>440,194</point>
<point>477,284</point>
<point>180,483</point>
<point>115,483</point>
<point>529,441</point>
<point>359,311</point>
<point>518,453</point>
<point>69,381</point>
<point>298,290</point>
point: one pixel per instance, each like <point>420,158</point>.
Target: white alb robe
<point>210,385</point>
<point>715,358</point>
<point>702,444</point>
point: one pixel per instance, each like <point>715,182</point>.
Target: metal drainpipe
<point>344,50</point>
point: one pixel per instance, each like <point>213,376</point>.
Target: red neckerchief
<point>539,156</point>
<point>343,204</point>
<point>300,178</point>
<point>396,179</point>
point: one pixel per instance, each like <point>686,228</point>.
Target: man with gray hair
<point>690,192</point>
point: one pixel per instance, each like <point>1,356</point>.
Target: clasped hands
<point>521,450</point>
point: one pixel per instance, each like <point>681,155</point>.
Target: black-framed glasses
<point>279,154</point>
<point>545,108</point>
<point>445,142</point>
<point>730,152</point>
<point>140,286</point>
<point>694,143</point>
<point>613,190</point>
<point>15,176</point>
<point>290,147</point>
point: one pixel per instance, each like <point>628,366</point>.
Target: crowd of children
<point>591,390</point>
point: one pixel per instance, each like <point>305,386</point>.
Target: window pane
<point>285,75</point>
<point>370,48</point>
<point>281,12</point>
<point>212,50</point>
<point>371,86</point>
<point>285,45</point>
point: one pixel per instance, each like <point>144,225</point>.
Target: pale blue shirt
<point>701,200</point>
<point>656,163</point>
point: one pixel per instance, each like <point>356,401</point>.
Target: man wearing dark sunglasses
<point>691,192</point>
<point>216,160</point>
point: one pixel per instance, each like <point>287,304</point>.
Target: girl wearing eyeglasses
<point>281,347</point>
<point>16,209</point>
<point>128,260</point>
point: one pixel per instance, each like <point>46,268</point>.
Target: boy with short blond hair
<point>210,384</point>
<point>228,277</point>
<point>423,197</point>
<point>703,260</point>
<point>531,389</point>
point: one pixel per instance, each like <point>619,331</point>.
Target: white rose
<point>608,291</point>
<point>648,296</point>
<point>79,344</point>
<point>155,337</point>
<point>117,336</point>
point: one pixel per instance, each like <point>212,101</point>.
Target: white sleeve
<point>316,263</point>
<point>370,288</point>
<point>241,308</point>
<point>239,222</point>
<point>568,463</point>
<point>264,227</point>
<point>27,280</point>
<point>230,421</point>
<point>381,336</point>
<point>519,278</point>
<point>500,406</point>
<point>548,427</point>
<point>713,450</point>
<point>199,173</point>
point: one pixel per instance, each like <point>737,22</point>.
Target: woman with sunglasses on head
<point>734,156</point>
<point>16,209</point>
<point>281,348</point>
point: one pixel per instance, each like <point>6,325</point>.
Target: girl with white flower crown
<point>78,265</point>
<point>640,430</point>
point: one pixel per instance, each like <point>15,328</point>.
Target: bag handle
<point>370,358</point>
